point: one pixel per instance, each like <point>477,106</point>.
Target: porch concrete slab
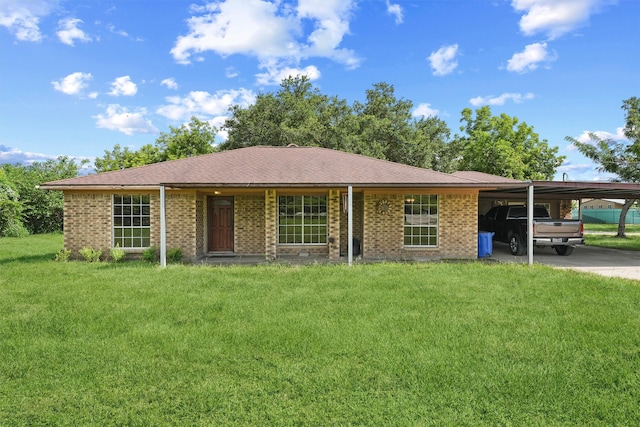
<point>261,260</point>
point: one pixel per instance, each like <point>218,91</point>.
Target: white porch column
<point>350,225</point>
<point>530,224</point>
<point>163,228</point>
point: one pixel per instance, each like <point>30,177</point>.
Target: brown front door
<point>220,220</point>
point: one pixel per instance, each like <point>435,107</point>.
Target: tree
<point>434,150</point>
<point>296,114</point>
<point>621,159</point>
<point>382,127</point>
<point>192,139</point>
<point>10,210</point>
<point>120,158</point>
<point>40,211</point>
<point>504,146</point>
<point>387,130</point>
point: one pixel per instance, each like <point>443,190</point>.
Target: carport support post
<point>163,229</point>
<point>350,225</point>
<point>530,224</point>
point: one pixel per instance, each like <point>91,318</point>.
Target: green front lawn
<point>386,344</point>
<point>611,228</point>
<point>604,235</point>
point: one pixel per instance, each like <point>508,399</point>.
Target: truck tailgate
<point>560,228</point>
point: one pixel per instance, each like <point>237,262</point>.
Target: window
<point>421,220</point>
<point>131,221</point>
<point>302,220</point>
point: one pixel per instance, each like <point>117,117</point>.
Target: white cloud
<point>120,119</point>
<point>73,83</point>
<point>22,17</point>
<point>12,155</point>
<point>586,139</point>
<point>555,17</point>
<point>231,72</point>
<point>530,58</point>
<point>199,103</point>
<point>395,10</point>
<point>425,110</point>
<point>112,28</point>
<point>331,21</point>
<point>123,86</point>
<point>443,60</point>
<point>275,75</point>
<point>501,100</point>
<point>268,31</point>
<point>249,27</point>
<point>69,32</point>
<point>170,83</point>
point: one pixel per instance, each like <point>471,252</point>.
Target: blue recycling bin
<point>485,244</point>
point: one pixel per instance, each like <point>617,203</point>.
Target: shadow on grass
<point>29,259</point>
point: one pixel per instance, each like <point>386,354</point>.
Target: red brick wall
<point>457,231</point>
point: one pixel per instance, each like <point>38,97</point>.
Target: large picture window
<point>302,220</point>
<point>421,220</point>
<point>131,221</point>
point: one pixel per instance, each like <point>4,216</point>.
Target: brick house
<point>277,201</point>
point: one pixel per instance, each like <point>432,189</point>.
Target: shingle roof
<point>263,166</point>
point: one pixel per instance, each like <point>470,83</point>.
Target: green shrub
<point>117,253</point>
<point>174,255</point>
<point>150,254</point>
<point>90,254</point>
<point>14,229</point>
<point>63,255</point>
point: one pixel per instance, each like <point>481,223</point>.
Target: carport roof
<point>573,190</point>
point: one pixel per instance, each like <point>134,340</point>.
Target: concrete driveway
<point>592,259</point>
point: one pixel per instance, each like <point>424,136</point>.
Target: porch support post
<point>530,224</point>
<point>163,228</point>
<point>350,226</point>
<point>270,224</point>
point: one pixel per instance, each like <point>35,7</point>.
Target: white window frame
<point>305,212</point>
<point>421,221</point>
<point>131,221</point>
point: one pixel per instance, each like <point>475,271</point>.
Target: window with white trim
<point>421,220</point>
<point>302,220</point>
<point>131,221</point>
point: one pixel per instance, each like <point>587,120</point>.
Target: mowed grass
<point>612,228</point>
<point>384,344</point>
<point>606,236</point>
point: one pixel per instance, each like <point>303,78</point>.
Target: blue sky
<point>78,77</point>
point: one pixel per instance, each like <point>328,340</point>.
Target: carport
<point>531,191</point>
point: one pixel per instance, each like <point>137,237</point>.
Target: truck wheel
<point>564,250</point>
<point>515,245</point>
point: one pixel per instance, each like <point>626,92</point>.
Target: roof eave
<point>104,187</point>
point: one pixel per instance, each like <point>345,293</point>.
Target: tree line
<point>25,208</point>
<point>382,126</point>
